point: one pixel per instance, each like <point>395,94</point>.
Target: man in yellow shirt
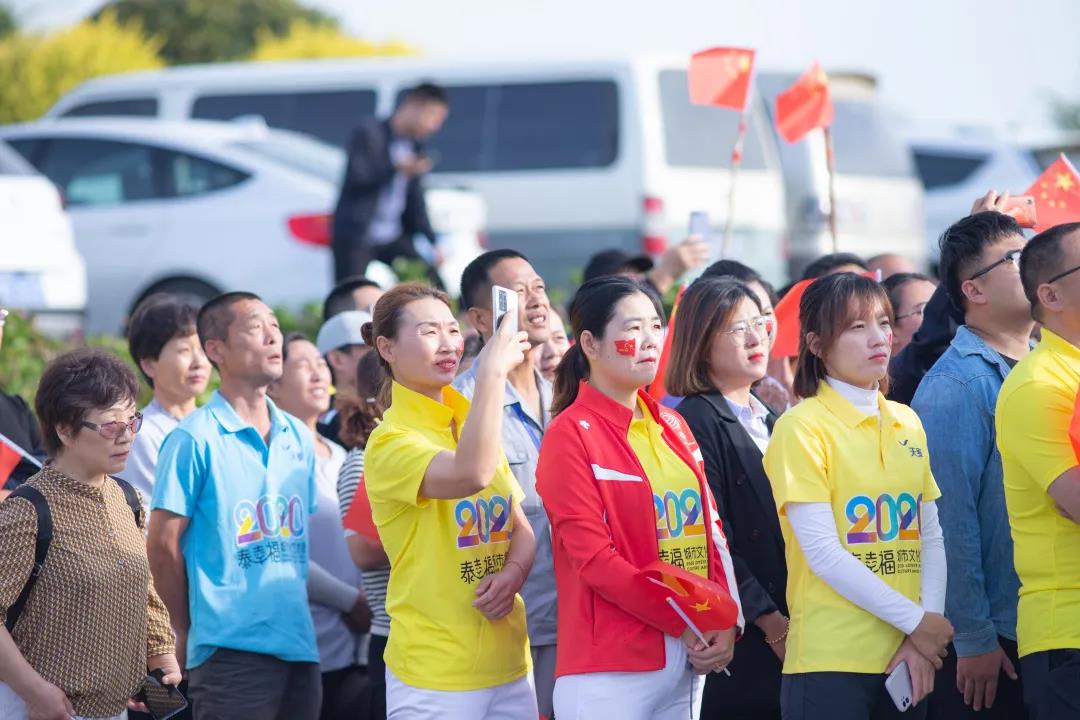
<point>1042,477</point>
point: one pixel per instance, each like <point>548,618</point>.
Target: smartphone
<point>163,701</point>
<point>1022,209</point>
<point>898,685</point>
<point>699,223</point>
<point>504,302</point>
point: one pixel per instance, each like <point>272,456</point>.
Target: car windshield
<point>298,153</point>
<point>11,163</point>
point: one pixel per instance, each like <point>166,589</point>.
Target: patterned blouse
<point>93,618</point>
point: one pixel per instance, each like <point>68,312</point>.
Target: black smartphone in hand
<point>162,701</point>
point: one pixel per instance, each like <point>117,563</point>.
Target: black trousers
<point>752,692</point>
<point>234,684</point>
<point>351,257</point>
<point>345,694</point>
<point>947,703</point>
<point>841,696</point>
<point>377,677</point>
<point>1052,684</point>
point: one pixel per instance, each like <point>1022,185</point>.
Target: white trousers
<point>671,693</point>
<point>13,708</point>
<point>510,701</point>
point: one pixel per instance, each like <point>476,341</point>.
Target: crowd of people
<point>428,511</point>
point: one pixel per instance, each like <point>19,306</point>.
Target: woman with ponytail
<point>865,554</point>
<point>448,513</point>
<point>607,462</point>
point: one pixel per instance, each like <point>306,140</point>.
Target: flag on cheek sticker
<point>626,347</point>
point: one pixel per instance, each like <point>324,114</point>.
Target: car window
<point>330,116</point>
<point>703,135</point>
<point>941,169</point>
<point>100,172</point>
<point>189,175</point>
<point>131,107</point>
<point>864,144</point>
<point>528,126</point>
<point>12,163</point>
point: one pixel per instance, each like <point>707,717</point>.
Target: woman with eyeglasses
<point>720,350</point>
<point>909,293</point>
<point>82,641</point>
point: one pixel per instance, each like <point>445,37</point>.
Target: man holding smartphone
<point>381,207</point>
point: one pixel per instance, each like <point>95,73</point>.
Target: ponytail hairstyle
<point>829,305</point>
<point>360,416</point>
<point>385,319</point>
<point>592,309</point>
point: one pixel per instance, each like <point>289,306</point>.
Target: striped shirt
<point>375,581</point>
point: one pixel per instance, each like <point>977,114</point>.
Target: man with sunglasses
<point>955,401</point>
<point>1042,476</point>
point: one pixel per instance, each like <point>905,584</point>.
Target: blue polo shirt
<point>246,546</point>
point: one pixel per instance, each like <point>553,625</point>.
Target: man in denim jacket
<point>955,400</point>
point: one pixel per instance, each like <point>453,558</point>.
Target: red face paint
<point>626,347</point>
<point>459,346</point>
<point>888,337</point>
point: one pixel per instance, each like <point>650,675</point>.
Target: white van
<point>879,199</point>
<point>571,157</point>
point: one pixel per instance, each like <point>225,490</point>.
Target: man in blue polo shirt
<point>234,487</point>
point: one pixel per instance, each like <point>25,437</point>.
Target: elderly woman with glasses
<point>81,641</point>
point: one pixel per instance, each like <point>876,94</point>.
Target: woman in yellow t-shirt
<point>865,554</point>
<point>448,513</point>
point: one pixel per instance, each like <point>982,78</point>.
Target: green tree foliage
<point>35,70</point>
<point>7,22</point>
<point>306,40</point>
<point>199,31</point>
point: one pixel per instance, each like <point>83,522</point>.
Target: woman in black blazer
<point>720,348</point>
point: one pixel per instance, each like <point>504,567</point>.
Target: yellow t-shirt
<point>680,523</point>
<point>874,473</point>
<point>439,550</point>
<point>1034,409</point>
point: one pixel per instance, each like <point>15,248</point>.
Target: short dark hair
<point>340,298</point>
<point>157,320</point>
<point>895,283</point>
<point>476,278</point>
<point>827,263</point>
<point>75,384</point>
<point>963,243</point>
<point>425,92</point>
<point>216,315</point>
<point>1041,258</point>
<point>291,338</point>
<point>743,273</point>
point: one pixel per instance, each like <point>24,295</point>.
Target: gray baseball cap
<point>342,329</point>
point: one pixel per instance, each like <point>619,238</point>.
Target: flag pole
<point>830,165</point>
<point>736,163</point>
<point>15,446</point>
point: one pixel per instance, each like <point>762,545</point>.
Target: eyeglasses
<point>761,325</point>
<point>1061,275</point>
<point>917,312</point>
<point>113,430</point>
<point>1013,256</point>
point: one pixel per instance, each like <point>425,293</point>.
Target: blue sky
<point>993,62</point>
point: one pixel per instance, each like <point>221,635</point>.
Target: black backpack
<point>44,539</point>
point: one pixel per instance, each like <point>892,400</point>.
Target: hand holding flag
<point>1057,195</point>
<point>707,605</point>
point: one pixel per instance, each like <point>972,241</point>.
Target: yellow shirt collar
<point>1060,345</point>
<point>416,410</point>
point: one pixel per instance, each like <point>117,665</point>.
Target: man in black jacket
<point>381,207</point>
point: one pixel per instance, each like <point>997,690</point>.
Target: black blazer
<point>744,498</point>
<point>368,171</point>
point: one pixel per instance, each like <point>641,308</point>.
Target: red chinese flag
<point>708,605</point>
<point>804,106</point>
<point>9,458</point>
<point>721,76</point>
<point>657,390</point>
<point>358,518</point>
<point>1057,195</point>
<point>787,321</point>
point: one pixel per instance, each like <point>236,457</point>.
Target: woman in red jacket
<point>622,483</point>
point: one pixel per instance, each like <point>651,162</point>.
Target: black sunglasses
<point>1013,256</point>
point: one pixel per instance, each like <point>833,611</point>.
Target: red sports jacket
<point>604,529</point>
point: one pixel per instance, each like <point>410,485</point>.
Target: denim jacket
<point>955,402</point>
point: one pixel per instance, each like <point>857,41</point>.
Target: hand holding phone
<point>162,701</point>
<point>504,302</point>
<point>898,685</point>
<point>1020,208</point>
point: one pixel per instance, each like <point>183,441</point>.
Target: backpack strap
<point>132,497</point>
<point>41,548</point>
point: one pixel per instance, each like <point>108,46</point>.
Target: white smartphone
<point>699,223</point>
<point>898,685</point>
<point>504,302</point>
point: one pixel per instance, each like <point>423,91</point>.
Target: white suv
<point>41,273</point>
<point>198,208</point>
